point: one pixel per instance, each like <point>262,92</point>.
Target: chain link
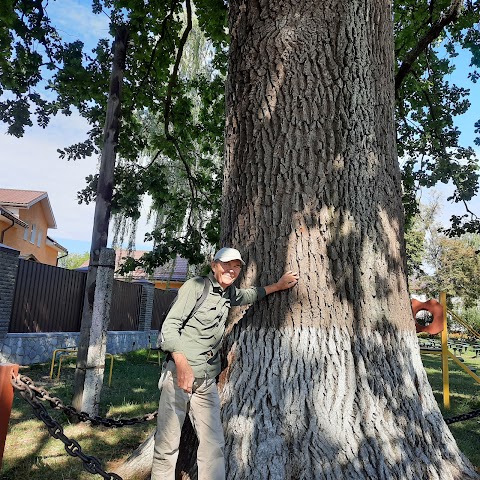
<point>57,404</point>
<point>95,420</point>
<point>72,447</point>
<point>31,393</point>
<point>463,417</point>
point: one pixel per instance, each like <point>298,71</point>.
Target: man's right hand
<point>185,377</point>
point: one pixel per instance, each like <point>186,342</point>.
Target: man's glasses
<point>235,268</point>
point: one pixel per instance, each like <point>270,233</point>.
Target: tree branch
<point>190,178</point>
<point>432,34</point>
<point>154,51</point>
<point>472,215</point>
<point>174,76</point>
<point>168,101</point>
<point>37,24</point>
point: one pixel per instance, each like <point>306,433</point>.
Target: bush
<point>472,317</point>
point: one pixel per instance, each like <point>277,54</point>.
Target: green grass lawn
<point>464,397</point>
<point>30,453</point>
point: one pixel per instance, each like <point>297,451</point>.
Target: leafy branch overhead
<point>171,139</point>
<point>428,37</point>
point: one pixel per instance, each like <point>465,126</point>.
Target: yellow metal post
<point>445,375</point>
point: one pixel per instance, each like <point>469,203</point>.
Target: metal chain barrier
<point>42,394</point>
<point>32,393</point>
<point>72,447</point>
<point>57,404</point>
<point>462,417</point>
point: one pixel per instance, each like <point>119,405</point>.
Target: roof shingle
<point>20,198</point>
<point>24,199</point>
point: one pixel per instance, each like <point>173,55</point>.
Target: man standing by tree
<point>188,381</point>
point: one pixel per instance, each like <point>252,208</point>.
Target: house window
<point>26,231</point>
<point>39,239</point>
<point>34,233</point>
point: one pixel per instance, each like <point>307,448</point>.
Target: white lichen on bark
<point>312,403</point>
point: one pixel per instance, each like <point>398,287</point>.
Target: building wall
<point>10,236</point>
<point>14,237</point>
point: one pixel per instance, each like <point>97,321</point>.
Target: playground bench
<point>476,349</point>
<point>457,349</point>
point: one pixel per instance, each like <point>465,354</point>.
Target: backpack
<point>198,304</point>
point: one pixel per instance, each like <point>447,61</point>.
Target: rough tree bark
<point>324,381</point>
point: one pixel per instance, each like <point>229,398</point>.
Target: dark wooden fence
<point>47,299</point>
<point>125,308</point>
<point>50,299</point>
<point>161,302</point>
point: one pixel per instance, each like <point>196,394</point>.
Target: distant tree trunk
<point>102,213</point>
<point>326,380</point>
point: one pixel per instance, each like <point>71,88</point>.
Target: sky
<point>465,123</point>
<point>33,161</point>
<point>34,164</point>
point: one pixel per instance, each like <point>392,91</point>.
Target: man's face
<point>226,272</point>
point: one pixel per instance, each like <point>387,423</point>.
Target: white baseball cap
<point>226,254</point>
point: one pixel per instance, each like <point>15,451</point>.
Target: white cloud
<point>75,20</point>
<point>33,163</point>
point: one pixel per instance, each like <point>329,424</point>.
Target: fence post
<point>445,373</point>
<point>146,305</point>
<point>8,267</point>
<point>6,399</point>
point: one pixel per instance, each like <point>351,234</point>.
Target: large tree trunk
<point>326,380</point>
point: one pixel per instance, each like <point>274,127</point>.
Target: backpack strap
<point>200,300</point>
<point>198,304</point>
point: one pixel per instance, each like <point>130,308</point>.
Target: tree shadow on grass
<point>134,394</point>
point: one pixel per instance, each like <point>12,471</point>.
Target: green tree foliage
<point>472,317</point>
<point>422,239</point>
<point>415,250</point>
<point>458,272</point>
<point>73,260</point>
<point>171,139</point>
<point>428,36</point>
<point>439,263</point>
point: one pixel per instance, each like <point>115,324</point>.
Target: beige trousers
<point>203,407</point>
